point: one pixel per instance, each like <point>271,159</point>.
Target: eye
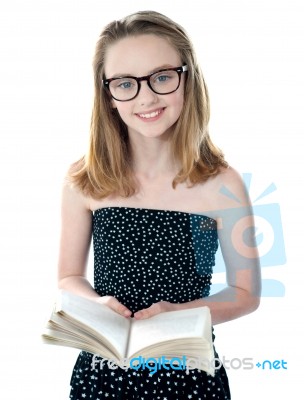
<point>123,84</point>
<point>163,77</point>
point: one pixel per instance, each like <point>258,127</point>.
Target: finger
<point>142,314</point>
<point>116,306</point>
<point>148,312</point>
<point>119,307</point>
<point>155,309</point>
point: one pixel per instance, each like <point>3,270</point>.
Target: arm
<point>242,294</point>
<point>76,233</point>
<point>243,276</point>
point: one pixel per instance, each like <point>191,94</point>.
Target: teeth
<point>151,115</point>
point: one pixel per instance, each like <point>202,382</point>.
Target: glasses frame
<point>179,70</point>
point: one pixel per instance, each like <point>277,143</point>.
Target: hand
<point>155,309</point>
<point>115,305</point>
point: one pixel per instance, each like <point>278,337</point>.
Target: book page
<point>190,323</point>
<point>100,319</point>
<point>54,336</point>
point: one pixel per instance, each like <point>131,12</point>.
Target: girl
<point>149,192</point>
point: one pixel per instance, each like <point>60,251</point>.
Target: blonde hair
<point>106,169</point>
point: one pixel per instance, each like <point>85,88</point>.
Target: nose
<point>146,94</point>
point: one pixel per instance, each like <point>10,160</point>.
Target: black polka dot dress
<point>143,256</point>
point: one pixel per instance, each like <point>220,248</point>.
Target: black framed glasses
<point>164,81</point>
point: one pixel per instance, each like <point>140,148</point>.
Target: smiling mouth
<point>153,114</point>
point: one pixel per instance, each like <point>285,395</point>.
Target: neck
<point>151,157</point>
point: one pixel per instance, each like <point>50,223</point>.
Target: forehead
<point>140,55</point>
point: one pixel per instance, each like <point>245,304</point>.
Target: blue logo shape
<point>268,236</point>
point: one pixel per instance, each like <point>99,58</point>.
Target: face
<point>148,114</point>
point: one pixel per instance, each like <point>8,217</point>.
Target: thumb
<point>115,305</point>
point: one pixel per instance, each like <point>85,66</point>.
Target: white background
<point>251,53</point>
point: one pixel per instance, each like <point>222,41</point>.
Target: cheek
<point>123,109</point>
<point>179,96</point>
<point>179,102</point>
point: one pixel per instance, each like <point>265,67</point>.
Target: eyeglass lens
<point>162,82</point>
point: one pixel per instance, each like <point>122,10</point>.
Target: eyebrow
<point>164,66</point>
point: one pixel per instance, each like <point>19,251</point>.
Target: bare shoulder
<point>76,230</point>
<point>72,196</point>
<point>231,177</point>
<point>229,189</point>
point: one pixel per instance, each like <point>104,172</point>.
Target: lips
<point>151,115</point>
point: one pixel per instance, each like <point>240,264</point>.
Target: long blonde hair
<point>106,168</point>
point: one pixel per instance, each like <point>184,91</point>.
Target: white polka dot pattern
<point>142,256</point>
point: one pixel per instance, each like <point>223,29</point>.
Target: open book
<point>84,324</point>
